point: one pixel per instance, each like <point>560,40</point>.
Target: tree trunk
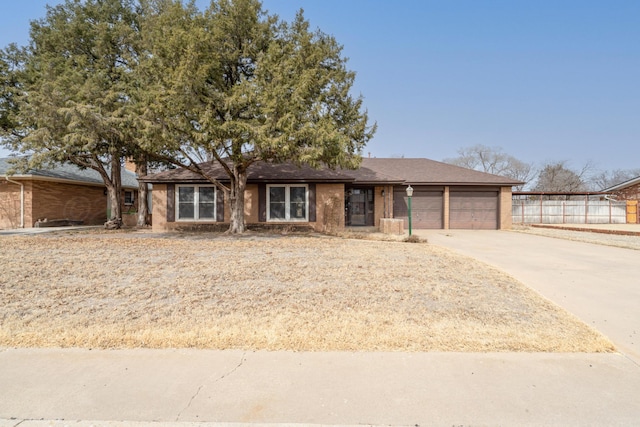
<point>236,199</point>
<point>115,192</point>
<point>143,208</point>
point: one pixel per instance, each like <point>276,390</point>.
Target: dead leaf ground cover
<point>266,291</point>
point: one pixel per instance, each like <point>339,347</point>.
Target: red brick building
<point>629,191</point>
<point>64,192</point>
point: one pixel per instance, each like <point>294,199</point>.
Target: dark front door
<point>359,206</point>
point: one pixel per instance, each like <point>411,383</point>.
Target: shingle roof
<point>68,173</point>
<point>372,171</point>
<point>426,171</point>
<point>258,172</point>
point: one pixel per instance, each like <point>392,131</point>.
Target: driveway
<point>599,284</point>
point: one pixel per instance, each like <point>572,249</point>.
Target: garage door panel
<point>426,208</point>
<point>473,210</point>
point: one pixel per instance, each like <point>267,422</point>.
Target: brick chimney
<point>130,165</point>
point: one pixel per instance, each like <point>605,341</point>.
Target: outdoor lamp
<point>409,194</point>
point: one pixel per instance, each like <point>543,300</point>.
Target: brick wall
<point>9,204</point>
<point>504,208</point>
<point>629,193</point>
<point>54,200</point>
<point>251,205</point>
<point>329,207</point>
<point>382,203</point>
<point>159,203</point>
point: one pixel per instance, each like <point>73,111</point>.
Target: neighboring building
<point>445,196</point>
<point>64,192</point>
<point>629,191</point>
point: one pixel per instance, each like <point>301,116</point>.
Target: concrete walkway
<point>426,389</point>
<point>179,387</point>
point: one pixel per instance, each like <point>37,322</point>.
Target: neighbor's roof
<point>68,173</point>
<point>372,171</point>
<point>623,185</point>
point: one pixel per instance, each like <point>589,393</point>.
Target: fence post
<point>540,209</point>
<point>586,209</point>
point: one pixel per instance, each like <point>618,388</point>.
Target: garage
<point>426,207</point>
<point>473,209</point>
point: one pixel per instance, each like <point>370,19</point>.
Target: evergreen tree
<point>235,86</point>
<point>72,101</point>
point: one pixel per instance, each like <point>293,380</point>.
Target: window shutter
<point>219,205</point>
<point>262,202</point>
<point>171,203</point>
<point>312,203</point>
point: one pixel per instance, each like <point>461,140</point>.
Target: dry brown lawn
<point>268,291</point>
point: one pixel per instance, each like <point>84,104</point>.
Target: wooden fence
<point>569,212</point>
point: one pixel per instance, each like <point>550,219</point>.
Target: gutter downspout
<point>21,199</point>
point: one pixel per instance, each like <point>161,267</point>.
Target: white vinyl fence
<point>569,212</point>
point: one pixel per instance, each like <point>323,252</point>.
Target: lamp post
<point>409,194</point>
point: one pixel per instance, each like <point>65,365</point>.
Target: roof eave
<point>63,180</point>
<point>623,185</point>
<point>462,183</point>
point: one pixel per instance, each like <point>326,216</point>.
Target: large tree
<point>72,102</point>
<point>558,177</point>
<point>11,76</point>
<point>493,160</point>
<point>234,86</point>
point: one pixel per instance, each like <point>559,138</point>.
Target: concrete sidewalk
<point>426,389</point>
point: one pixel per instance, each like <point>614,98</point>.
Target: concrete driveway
<point>599,284</point>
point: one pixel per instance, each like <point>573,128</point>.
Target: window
<point>287,203</point>
<point>196,203</point>
<point>128,197</point>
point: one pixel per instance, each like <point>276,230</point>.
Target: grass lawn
<point>268,291</point>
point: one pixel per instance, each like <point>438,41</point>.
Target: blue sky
<point>544,80</point>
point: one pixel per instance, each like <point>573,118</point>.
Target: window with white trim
<point>287,202</point>
<point>196,203</point>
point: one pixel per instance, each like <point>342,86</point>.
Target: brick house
<point>64,192</point>
<point>629,191</point>
<point>445,196</point>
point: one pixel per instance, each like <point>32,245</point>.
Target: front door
<point>359,206</point>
